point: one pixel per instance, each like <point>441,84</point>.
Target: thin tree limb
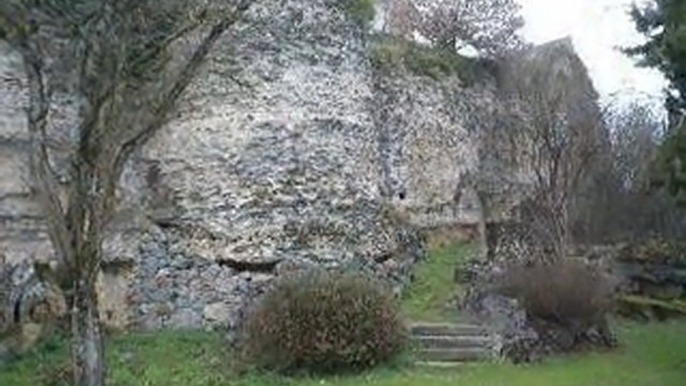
<point>160,114</point>
<point>45,185</point>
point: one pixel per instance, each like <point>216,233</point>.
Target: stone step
<point>453,354</point>
<point>442,365</point>
<point>452,341</point>
<point>447,329</point>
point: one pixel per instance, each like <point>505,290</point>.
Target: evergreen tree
<point>663,23</point>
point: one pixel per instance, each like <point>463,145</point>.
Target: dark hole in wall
<point>153,175</point>
<point>17,311</point>
<point>246,266</point>
<point>383,257</point>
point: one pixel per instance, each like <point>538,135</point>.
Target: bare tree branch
<point>560,132</point>
<point>159,116</point>
<point>44,184</point>
<point>489,26</point>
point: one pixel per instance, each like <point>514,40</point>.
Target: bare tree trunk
<point>99,72</point>
<point>483,219</point>
<point>566,230</point>
<point>87,342</point>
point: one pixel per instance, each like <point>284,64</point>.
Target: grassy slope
<point>434,285</point>
<point>651,355</point>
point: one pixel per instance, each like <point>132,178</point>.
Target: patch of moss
<point>390,53</point>
<point>632,305</point>
<point>362,11</point>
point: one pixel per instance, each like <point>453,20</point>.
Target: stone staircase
<point>448,345</point>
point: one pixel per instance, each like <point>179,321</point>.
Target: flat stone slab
<point>447,329</point>
<point>453,341</point>
<point>443,365</point>
<point>454,354</point>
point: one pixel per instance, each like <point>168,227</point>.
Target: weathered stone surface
<point>113,298</point>
<point>29,308</point>
<point>514,335</point>
<point>652,278</point>
<point>426,144</point>
<point>308,165</point>
<point>218,313</point>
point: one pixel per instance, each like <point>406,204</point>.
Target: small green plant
<point>323,322</point>
<point>362,11</point>
<point>390,53</point>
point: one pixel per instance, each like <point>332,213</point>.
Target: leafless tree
<point>621,203</point>
<point>557,129</point>
<point>636,131</point>
<point>128,62</point>
<point>489,26</point>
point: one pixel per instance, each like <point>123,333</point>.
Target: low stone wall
<point>653,278</point>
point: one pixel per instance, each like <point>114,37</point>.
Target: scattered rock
<point>185,318</point>
<point>653,278</point>
<point>218,313</point>
<point>516,338</point>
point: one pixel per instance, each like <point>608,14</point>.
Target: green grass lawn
<point>434,286</point>
<point>649,355</point>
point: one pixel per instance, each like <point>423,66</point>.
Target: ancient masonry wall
<point>308,161</point>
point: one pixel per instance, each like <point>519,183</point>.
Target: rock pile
<point>521,336</point>
<point>653,278</point>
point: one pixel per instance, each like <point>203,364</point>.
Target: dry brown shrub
<point>323,322</point>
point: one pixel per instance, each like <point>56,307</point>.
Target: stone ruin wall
<point>298,168</point>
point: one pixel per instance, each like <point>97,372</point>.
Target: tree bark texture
<point>87,341</point>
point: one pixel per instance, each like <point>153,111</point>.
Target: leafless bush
<point>565,291</point>
<point>489,26</point>
<point>556,128</point>
<point>566,302</point>
<point>618,202</point>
